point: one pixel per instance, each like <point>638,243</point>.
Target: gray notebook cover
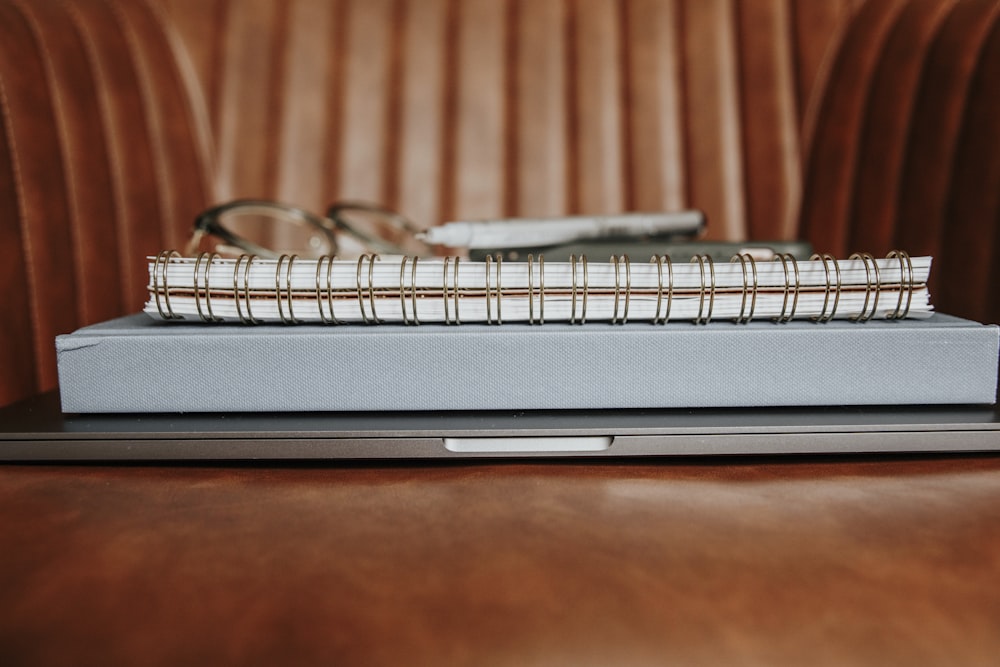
<point>138,364</point>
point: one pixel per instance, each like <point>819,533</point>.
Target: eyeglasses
<point>270,229</point>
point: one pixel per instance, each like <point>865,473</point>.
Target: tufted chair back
<point>903,145</point>
<point>104,157</point>
<point>451,109</point>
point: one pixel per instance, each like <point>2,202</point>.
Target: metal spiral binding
<point>408,319</point>
<point>454,293</point>
<point>541,289</point>
<point>374,318</point>
<point>786,314</point>
<point>236,288</point>
<point>413,295</point>
<point>197,287</point>
<point>749,290</point>
<point>575,289</point>
<point>825,315</point>
<point>531,290</point>
<point>402,290</point>
<point>360,292</point>
<point>660,259</point>
<point>705,318</point>
<point>286,261</point>
<point>870,265</point>
<point>905,285</point>
<point>160,272</point>
<point>246,289</point>
<point>444,288</point>
<point>489,291</point>
<point>371,286</point>
<point>616,260</point>
<point>499,259</point>
<point>458,320</point>
<point>210,316</point>
<point>246,263</point>
<point>327,261</point>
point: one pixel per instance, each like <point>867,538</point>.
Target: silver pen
<point>541,232</point>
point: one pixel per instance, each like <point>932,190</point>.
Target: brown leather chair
<point>855,125</point>
<point>904,145</point>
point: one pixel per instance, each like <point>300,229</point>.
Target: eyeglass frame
<point>207,223</point>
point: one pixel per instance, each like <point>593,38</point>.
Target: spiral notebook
<point>448,290</point>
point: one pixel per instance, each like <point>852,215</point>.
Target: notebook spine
<point>326,300</point>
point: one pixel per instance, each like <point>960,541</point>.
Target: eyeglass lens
<point>378,230</point>
<point>277,229</point>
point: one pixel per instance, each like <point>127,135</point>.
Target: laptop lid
<point>36,430</point>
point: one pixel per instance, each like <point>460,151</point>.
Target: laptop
<point>37,430</point>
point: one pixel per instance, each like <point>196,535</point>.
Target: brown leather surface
<point>971,240</point>
<point>38,188</point>
<point>479,108</point>
<point>899,149</point>
<point>772,561</point>
<point>832,132</point>
<point>104,163</point>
